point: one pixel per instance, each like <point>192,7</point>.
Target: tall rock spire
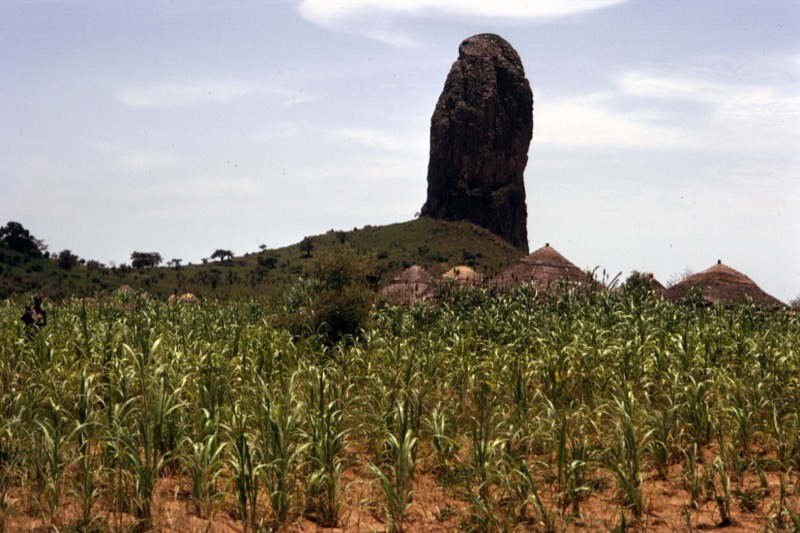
<point>480,133</point>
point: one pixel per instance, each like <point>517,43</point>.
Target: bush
<point>267,261</point>
<point>67,260</point>
<point>338,314</point>
<point>337,300</point>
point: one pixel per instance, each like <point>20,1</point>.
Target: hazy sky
<point>666,133</point>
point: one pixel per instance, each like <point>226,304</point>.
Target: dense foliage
<point>527,407</point>
<point>15,237</point>
<point>432,244</point>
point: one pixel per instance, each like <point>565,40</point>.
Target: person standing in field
<point>34,317</point>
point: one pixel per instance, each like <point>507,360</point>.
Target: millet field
<point>591,410</point>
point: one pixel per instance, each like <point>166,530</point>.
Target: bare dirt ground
<point>438,507</point>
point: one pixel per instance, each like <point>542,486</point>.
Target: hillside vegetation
<point>433,244</point>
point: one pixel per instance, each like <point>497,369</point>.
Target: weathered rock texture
<point>480,133</point>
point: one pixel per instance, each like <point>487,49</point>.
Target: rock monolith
<point>480,133</point>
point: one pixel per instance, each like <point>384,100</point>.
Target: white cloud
<point>190,93</point>
<point>674,110</point>
<point>591,122</point>
<point>411,143</point>
<point>392,37</point>
<point>148,160</point>
<point>327,13</point>
<point>739,115</point>
<point>191,191</point>
<point>729,98</point>
<point>132,159</point>
<point>199,92</point>
<point>373,18</point>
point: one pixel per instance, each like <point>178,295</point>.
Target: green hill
<point>433,244</point>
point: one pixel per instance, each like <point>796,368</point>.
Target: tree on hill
<point>222,255</point>
<point>267,261</point>
<point>67,260</point>
<point>307,246</point>
<point>141,260</point>
<point>19,239</point>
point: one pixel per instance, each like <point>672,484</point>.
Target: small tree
<point>679,276</point>
<point>67,260</point>
<point>211,277</point>
<point>640,284</point>
<point>145,259</point>
<point>342,292</point>
<point>267,261</point>
<point>307,246</point>
<point>222,255</point>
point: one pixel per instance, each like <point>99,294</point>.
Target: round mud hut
<point>721,283</point>
<point>545,269</point>
<point>413,285</point>
<point>463,275</point>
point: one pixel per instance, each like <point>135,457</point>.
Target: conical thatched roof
<point>414,274</point>
<point>463,275</point>
<point>721,283</point>
<point>544,269</point>
<point>413,285</point>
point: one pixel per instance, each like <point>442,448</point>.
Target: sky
<point>666,133</point>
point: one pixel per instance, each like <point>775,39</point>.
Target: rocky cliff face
<point>480,133</point>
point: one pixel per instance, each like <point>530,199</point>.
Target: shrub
<point>339,295</point>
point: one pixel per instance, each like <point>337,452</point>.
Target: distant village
<point>548,270</point>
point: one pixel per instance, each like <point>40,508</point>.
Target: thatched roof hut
<point>463,275</point>
<point>721,283</point>
<point>186,298</point>
<point>544,269</point>
<point>413,285</point>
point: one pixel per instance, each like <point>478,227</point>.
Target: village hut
<point>721,283</point>
<point>413,285</point>
<point>186,298</point>
<point>544,269</point>
<point>463,275</point>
